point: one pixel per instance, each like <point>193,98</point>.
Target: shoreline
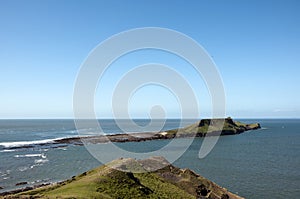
<point>32,187</point>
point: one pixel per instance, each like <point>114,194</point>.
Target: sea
<point>262,163</point>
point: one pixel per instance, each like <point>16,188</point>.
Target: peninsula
<point>116,180</point>
<point>205,127</point>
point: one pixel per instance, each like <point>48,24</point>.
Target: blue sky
<point>255,45</point>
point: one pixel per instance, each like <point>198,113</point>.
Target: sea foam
<point>30,156</point>
<point>25,143</point>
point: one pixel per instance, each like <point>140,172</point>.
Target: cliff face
<point>115,180</point>
<point>211,127</point>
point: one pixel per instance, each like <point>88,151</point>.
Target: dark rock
<point>41,185</point>
<point>207,122</point>
<point>229,132</point>
<point>145,190</point>
<point>21,183</point>
<point>204,122</point>
<point>202,191</point>
<point>225,196</point>
<point>83,174</point>
<point>1,188</point>
<point>16,191</point>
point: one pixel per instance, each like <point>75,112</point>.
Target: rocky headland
<point>117,180</point>
<point>203,128</point>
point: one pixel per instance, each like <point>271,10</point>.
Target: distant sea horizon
<point>140,118</point>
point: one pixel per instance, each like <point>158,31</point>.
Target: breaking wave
<point>20,144</point>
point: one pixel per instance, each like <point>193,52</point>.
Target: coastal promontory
<point>116,180</point>
<point>202,128</point>
<point>213,127</point>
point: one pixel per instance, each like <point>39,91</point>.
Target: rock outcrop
<point>213,127</point>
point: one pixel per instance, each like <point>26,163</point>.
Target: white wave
<point>40,161</point>
<point>5,173</point>
<point>25,143</point>
<point>23,168</point>
<point>44,149</point>
<point>34,142</point>
<point>7,150</point>
<point>29,155</point>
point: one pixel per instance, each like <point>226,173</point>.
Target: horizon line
<point>110,118</point>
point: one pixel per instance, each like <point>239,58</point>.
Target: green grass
<point>105,182</point>
<point>208,126</point>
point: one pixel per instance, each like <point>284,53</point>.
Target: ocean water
<point>263,163</point>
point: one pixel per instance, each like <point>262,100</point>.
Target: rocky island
<point>116,180</point>
<point>212,127</point>
<point>205,127</point>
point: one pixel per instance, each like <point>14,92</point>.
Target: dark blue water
<point>38,130</point>
<point>257,164</point>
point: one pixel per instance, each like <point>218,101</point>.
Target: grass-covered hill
<point>211,127</point>
<point>115,180</point>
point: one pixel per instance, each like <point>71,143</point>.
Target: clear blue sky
<point>255,44</point>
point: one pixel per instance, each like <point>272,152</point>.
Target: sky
<point>254,44</point>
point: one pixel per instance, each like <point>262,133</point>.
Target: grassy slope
<point>209,126</point>
<point>107,182</point>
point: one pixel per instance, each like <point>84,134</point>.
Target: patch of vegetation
<point>108,182</point>
<point>211,127</point>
